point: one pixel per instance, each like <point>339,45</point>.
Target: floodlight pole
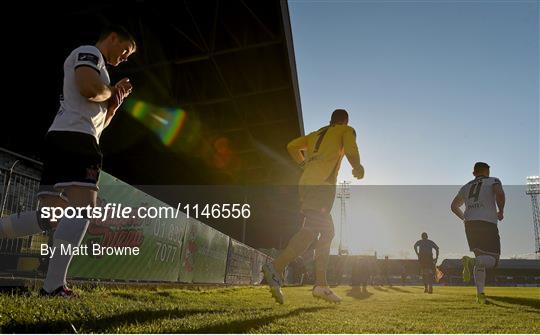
<point>533,189</point>
<point>343,194</point>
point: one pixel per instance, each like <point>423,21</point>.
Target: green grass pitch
<point>399,309</point>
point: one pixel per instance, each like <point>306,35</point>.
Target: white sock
<point>479,278</point>
<point>70,232</point>
<point>482,263</point>
<point>19,225</point>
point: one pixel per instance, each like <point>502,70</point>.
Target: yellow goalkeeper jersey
<point>323,151</point>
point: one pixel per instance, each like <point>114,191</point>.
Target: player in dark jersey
<point>424,250</point>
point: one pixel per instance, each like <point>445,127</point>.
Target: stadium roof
<point>215,98</point>
<point>216,94</point>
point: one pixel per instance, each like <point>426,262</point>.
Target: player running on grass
<point>71,157</point>
<point>484,201</point>
<point>424,250</point>
<point>320,154</point>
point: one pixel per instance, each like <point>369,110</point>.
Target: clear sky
<point>431,87</point>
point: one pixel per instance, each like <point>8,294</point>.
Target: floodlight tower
<point>533,189</point>
<point>343,194</point>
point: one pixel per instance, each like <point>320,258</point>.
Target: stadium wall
<point>179,249</point>
<point>175,250</point>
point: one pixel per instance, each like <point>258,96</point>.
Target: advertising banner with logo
<point>159,240</point>
<point>204,254</point>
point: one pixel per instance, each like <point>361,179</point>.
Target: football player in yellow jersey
<point>319,154</point>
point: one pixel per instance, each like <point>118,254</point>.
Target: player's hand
<point>117,98</point>
<point>358,173</point>
<point>124,87</point>
<point>500,215</point>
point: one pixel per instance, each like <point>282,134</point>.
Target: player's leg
<point>424,279</point>
<point>483,262</point>
<point>30,222</point>
<point>77,160</point>
<point>310,198</point>
<point>22,224</point>
<point>273,272</point>
<point>421,262</point>
<point>296,247</point>
<point>473,238</point>
<point>485,243</point>
<point>68,235</point>
<point>431,277</point>
<point>322,248</point>
<point>322,255</point>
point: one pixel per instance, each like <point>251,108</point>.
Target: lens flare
<point>166,123</point>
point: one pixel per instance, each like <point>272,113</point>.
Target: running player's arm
<point>456,205</point>
<point>500,197</point>
<point>351,151</point>
<point>436,247</point>
<point>90,84</point>
<point>111,110</point>
<point>295,148</point>
<point>416,245</point>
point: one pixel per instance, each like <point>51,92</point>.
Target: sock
<point>20,225</point>
<point>482,263</point>
<point>322,254</point>
<point>479,278</point>
<point>297,245</point>
<point>69,233</point>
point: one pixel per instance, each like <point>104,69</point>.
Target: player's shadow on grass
<point>493,303</point>
<point>140,317</point>
<point>245,326</point>
<point>356,293</point>
<point>398,289</point>
<point>102,325</point>
<point>527,302</point>
<point>379,288</point>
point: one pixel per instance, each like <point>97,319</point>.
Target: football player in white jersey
<point>71,155</point>
<point>484,201</point>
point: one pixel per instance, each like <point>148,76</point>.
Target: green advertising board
<point>159,240</point>
<point>259,259</point>
<point>240,263</point>
<point>204,254</point>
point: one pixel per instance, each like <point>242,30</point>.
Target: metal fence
<point>18,191</point>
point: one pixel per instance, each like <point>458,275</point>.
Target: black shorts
<point>483,237</point>
<point>69,159</point>
<point>318,198</point>
<point>426,262</point>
